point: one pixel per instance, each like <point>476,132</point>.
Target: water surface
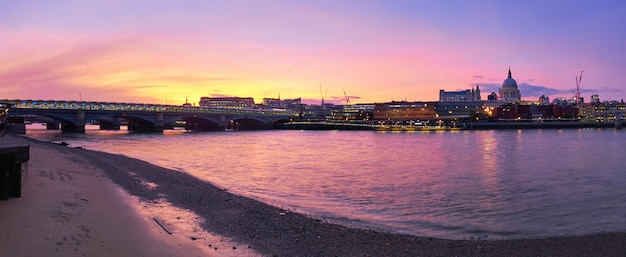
<point>469,184</point>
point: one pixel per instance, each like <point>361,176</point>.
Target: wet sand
<point>77,202</point>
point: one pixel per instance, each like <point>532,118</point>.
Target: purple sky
<point>163,51</point>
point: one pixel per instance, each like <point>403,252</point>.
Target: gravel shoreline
<point>272,231</point>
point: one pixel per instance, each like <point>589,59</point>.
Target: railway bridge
<point>72,116</point>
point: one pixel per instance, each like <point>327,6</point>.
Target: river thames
<point>489,184</point>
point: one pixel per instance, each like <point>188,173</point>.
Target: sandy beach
<point>77,202</point>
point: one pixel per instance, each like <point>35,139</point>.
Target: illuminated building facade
<point>516,111</point>
<point>353,112</point>
<point>459,110</point>
<point>404,111</point>
<point>272,102</point>
<point>468,95</point>
<point>227,102</point>
<point>601,111</point>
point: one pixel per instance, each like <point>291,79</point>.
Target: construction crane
<point>577,93</point>
<point>323,95</point>
<point>346,96</point>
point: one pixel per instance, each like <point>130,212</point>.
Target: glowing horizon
<point>377,51</point>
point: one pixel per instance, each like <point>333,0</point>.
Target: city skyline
<point>375,51</point>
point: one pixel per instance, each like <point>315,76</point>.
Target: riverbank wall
<point>455,126</point>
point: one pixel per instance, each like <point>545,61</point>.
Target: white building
<point>509,92</point>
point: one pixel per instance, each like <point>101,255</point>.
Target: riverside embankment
<point>448,126</point>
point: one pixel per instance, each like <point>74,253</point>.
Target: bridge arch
<point>109,122</point>
<point>66,122</point>
<point>141,123</point>
<point>278,122</point>
<point>248,123</point>
<point>203,123</point>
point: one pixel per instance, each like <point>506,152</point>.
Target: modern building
<point>293,104</point>
<point>468,95</point>
<point>227,102</point>
<point>354,112</point>
<point>272,102</point>
<point>605,111</point>
<point>459,110</point>
<point>527,112</point>
<point>404,111</point>
<point>289,104</point>
<point>595,99</point>
<point>509,92</point>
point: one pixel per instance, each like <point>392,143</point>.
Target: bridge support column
<point>223,122</point>
<point>53,125</point>
<point>110,125</point>
<point>72,128</point>
<point>136,127</point>
<point>160,124</point>
<point>618,120</point>
<point>78,126</point>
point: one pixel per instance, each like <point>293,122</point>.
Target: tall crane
<point>346,96</point>
<point>577,93</point>
<point>323,95</point>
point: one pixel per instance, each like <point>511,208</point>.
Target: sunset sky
<point>157,51</point>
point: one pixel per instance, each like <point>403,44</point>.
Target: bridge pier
<point>159,125</point>
<point>78,126</point>
<point>53,125</point>
<point>72,128</point>
<point>110,123</point>
<point>618,120</point>
<point>135,127</point>
<point>110,126</point>
<point>113,124</point>
<point>148,128</point>
<point>223,123</point>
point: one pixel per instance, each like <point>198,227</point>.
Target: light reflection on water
<point>499,184</point>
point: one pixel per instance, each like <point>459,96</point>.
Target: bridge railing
<point>106,106</point>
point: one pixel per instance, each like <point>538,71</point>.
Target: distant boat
<point>401,128</point>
